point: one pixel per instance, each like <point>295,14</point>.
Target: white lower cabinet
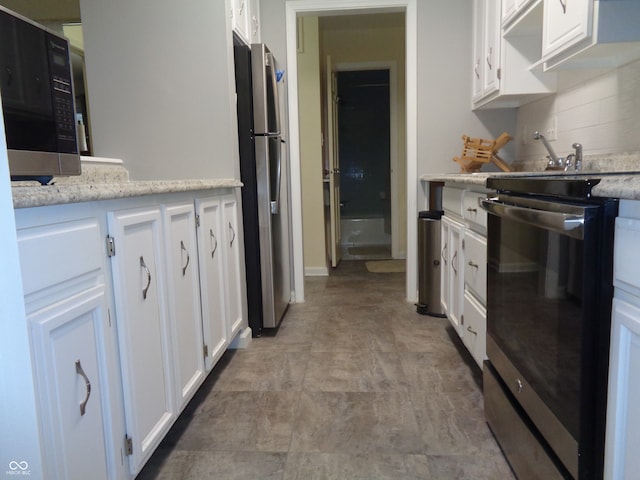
<point>211,243</point>
<point>475,328</point>
<point>143,329</point>
<point>233,273</point>
<point>73,348</point>
<point>185,317</point>
<point>454,275</point>
<point>68,340</point>
<point>623,416</point>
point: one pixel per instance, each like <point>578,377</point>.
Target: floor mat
<point>386,266</point>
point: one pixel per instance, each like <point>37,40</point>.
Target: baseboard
<point>316,271</point>
<point>242,339</point>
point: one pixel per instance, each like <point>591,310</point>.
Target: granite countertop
<point>619,174</point>
<point>104,183</point>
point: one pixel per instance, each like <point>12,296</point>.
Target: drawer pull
<point>474,210</point>
<point>473,265</point>
<point>233,233</point>
<point>471,330</point>
<point>443,254</point>
<point>145,290</point>
<point>454,263</point>
<point>564,6</point>
<point>183,249</point>
<point>87,384</point>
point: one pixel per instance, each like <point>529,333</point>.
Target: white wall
<point>599,110</point>
<point>160,83</point>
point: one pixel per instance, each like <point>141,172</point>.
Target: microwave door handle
<point>566,223</point>
<point>275,204</point>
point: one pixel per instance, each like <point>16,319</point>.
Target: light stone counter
<point>619,174</point>
<point>104,182</point>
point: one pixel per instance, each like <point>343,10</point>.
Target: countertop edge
<point>39,196</point>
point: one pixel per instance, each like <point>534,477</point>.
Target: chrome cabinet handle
<point>214,242</point>
<point>473,265</point>
<point>564,6</point>
<point>471,330</point>
<point>146,269</point>
<point>489,58</point>
<point>475,69</point>
<point>234,234</point>
<point>473,210</point>
<point>87,384</point>
<point>453,265</point>
<point>241,7</point>
<point>183,249</point>
<point>443,254</point>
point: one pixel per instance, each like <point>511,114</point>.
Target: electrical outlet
<point>552,129</point>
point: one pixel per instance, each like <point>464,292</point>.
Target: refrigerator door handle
<point>275,204</point>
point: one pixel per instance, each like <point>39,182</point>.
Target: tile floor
<point>355,385</point>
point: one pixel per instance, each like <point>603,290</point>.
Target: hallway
<point>355,385</point>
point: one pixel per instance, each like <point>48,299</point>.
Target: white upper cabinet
<point>590,33</point>
<point>503,57</point>
<point>245,19</point>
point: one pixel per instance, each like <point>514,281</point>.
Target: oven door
<point>542,322</point>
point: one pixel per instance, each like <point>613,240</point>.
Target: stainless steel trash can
<point>429,263</point>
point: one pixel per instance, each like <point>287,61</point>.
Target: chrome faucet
<point>558,163</point>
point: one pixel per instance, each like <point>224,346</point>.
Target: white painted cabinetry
<point>74,348</point>
<point>487,42</point>
<point>590,33</point>
<point>143,329</point>
<point>233,263</point>
<point>245,19</point>
<point>464,272</point>
<point>623,416</point>
<point>452,271</point>
<point>185,316</point>
<point>212,278</point>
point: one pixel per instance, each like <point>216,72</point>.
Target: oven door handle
<point>571,224</point>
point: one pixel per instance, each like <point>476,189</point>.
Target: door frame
<point>392,67</point>
<point>326,7</point>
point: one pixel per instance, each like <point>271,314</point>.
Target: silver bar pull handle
<point>233,232</point>
<point>454,262</point>
<point>564,6</point>
<point>214,243</point>
<point>443,254</point>
<point>183,249</point>
<point>275,204</point>
<point>473,265</point>
<point>145,290</point>
<point>87,384</point>
<point>566,223</point>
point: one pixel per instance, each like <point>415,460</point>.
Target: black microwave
<point>38,107</point>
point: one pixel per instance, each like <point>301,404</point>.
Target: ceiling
<point>46,11</point>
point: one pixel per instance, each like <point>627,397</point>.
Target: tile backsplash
<point>600,110</point>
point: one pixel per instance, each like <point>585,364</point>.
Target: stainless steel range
<point>549,291</point>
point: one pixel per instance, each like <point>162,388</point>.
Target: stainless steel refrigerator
<point>265,191</point>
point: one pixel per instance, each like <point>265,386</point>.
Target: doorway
<point>296,8</point>
<point>364,148</point>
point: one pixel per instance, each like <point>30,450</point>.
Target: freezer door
<point>266,119</point>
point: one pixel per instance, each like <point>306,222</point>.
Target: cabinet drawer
<point>475,328</point>
<point>452,201</point>
<point>53,254</point>
<point>473,212</point>
<point>626,273</point>
<point>475,264</point>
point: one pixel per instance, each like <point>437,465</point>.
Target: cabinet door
<point>240,15</point>
<point>509,9</point>
<point>565,23</point>
<point>210,257</point>
<point>475,264</point>
<point>184,301</point>
<point>143,330</point>
<point>478,49</point>
<point>233,275</point>
<point>492,44</point>
<point>456,275</point>
<point>68,340</point>
<point>446,266</point>
<point>623,416</point>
